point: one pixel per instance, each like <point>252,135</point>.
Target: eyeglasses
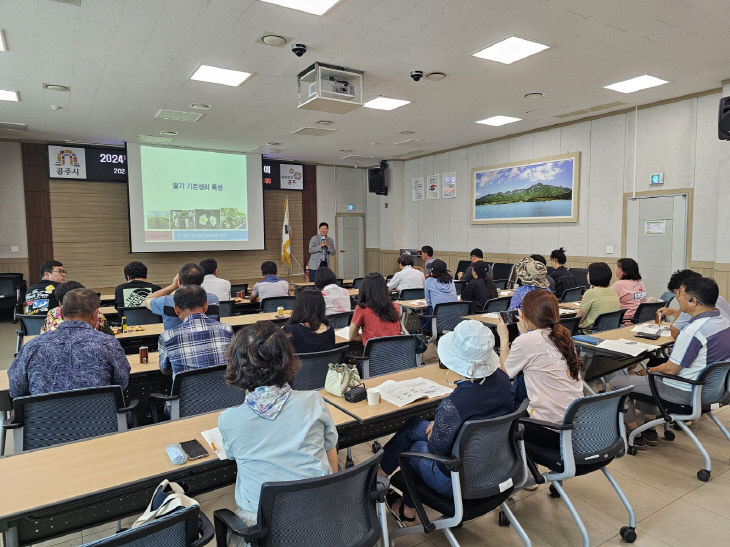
<point>61,271</point>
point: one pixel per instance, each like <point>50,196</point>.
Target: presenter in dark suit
<point>321,247</point>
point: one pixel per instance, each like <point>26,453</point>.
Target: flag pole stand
<point>293,256</point>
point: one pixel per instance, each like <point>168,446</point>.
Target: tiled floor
<point>673,508</point>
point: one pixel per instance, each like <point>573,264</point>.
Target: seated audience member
<point>133,293</point>
<point>408,277</point>
<point>39,297</point>
<point>270,285</point>
<point>214,284</point>
<point>308,329</point>
<point>375,314</point>
<point>600,298</point>
<point>545,357</point>
<point>475,256</point>
<point>336,298</point>
<point>484,393</point>
<point>561,275</point>
<point>532,275</point>
<point>631,291</point>
<point>541,259</point>
<point>162,302</point>
<point>73,356</point>
<point>55,317</point>
<point>480,289</point>
<point>427,257</point>
<point>198,341</point>
<point>703,341</point>
<point>439,288</point>
<point>277,434</point>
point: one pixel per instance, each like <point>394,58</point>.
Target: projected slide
<point>194,195</point>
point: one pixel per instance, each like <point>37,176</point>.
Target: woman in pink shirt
<point>631,291</point>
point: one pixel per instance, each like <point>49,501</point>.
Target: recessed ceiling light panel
<point>200,106</point>
<point>315,7</point>
<point>636,84</point>
<point>510,50</point>
<point>13,126</point>
<point>532,95</point>
<point>324,122</point>
<point>6,95</point>
<point>56,87</point>
<point>274,40</point>
<point>178,115</point>
<point>216,75</point>
<point>168,133</point>
<point>384,103</point>
<point>435,76</point>
<point>499,120</point>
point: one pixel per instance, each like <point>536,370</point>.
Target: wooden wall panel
<point>17,265</point>
<point>309,212</point>
<point>37,206</point>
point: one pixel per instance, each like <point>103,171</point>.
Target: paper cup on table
<point>373,396</point>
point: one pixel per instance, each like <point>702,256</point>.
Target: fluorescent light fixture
<point>510,50</point>
<point>315,7</point>
<point>215,75</point>
<point>3,43</point>
<point>9,95</point>
<point>384,103</point>
<point>499,120</point>
<point>636,84</point>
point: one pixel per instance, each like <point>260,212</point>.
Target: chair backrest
<point>337,509</point>
<point>31,324</point>
<point>235,289</point>
<point>497,304</point>
<point>357,282</point>
<point>411,294</point>
<point>270,304</point>
<point>458,285</point>
<point>716,388</point>
<point>450,314</point>
<point>314,366</point>
<point>64,416</point>
<point>609,320</point>
<point>571,323</point>
<point>571,295</point>
<point>226,308</point>
<point>389,354</point>
<point>490,460</point>
<point>139,316</point>
<point>8,290</point>
<point>203,390</point>
<point>580,275</point>
<point>502,270</point>
<point>501,284</point>
<point>339,320</point>
<point>646,311</point>
<point>339,281</point>
<point>462,266</point>
<point>667,297</point>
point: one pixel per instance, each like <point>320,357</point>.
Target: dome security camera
<point>416,75</point>
<point>299,49</point>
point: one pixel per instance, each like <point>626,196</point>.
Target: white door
<point>350,246</point>
<point>656,237</point>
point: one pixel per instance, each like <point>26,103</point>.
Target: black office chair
<point>39,421</point>
<point>580,275</point>
<point>497,304</point>
<point>337,509</point>
<point>339,281</point>
<point>139,316</point>
<point>502,270</point>
<point>313,369</point>
<point>339,320</point>
<point>487,464</point>
<point>446,316</point>
<point>235,289</point>
<point>271,304</point>
<point>607,321</point>
<point>646,312</point>
<point>411,294</point>
<point>12,291</point>
<point>592,435</point>
<point>198,391</point>
<point>571,295</point>
<point>571,323</point>
<point>501,284</point>
<point>388,354</point>
<point>29,325</point>
<point>188,527</point>
<point>226,308</point>
<point>459,286</point>
<point>708,392</point>
<point>357,283</point>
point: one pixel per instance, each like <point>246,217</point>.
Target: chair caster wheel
<point>669,435</point>
<point>703,475</point>
<point>376,447</point>
<point>633,451</point>
<point>503,520</point>
<point>554,492</point>
<point>628,534</point>
<point>677,428</point>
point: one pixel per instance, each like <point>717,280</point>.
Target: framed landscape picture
<point>541,190</point>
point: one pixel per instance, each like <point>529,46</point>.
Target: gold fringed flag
<point>285,241</point>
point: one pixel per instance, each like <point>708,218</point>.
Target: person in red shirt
<point>375,313</point>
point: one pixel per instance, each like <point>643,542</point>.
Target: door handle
<point>342,251</point>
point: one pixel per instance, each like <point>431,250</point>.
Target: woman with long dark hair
<point>308,328</point>
<point>629,287</point>
<point>375,313</point>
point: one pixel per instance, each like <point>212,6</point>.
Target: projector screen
<point>194,200</point>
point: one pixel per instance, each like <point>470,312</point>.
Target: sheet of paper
<point>491,315</point>
<point>566,311</point>
<point>652,328</point>
<point>629,347</point>
<point>406,391</point>
<point>344,332</point>
<point>418,302</point>
<point>215,440</point>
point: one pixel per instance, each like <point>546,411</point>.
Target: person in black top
<point>561,275</point>
<point>481,288</point>
<point>40,297</point>
<point>133,293</point>
<point>468,275</point>
<point>308,329</point>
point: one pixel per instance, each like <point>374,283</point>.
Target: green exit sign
<point>657,178</point>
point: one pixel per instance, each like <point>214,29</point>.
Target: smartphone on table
<point>194,449</point>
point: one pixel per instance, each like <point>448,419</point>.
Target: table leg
<point>403,311</point>
<point>11,537</point>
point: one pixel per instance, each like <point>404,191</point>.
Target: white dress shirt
<point>217,286</point>
<point>407,278</point>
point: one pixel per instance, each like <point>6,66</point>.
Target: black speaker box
<point>723,119</point>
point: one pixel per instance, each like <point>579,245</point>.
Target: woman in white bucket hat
<point>484,392</point>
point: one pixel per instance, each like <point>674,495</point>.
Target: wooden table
<point>108,311</point>
<point>303,284</point>
<point>492,320</point>
<point>107,298</point>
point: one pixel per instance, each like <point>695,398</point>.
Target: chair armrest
<point>534,471</point>
<point>133,404</point>
<point>678,378</point>
<point>549,425</point>
<point>225,519</point>
<point>163,397</point>
<point>655,393</point>
<point>358,357</point>
<point>206,531</point>
<point>11,425</point>
<point>451,463</point>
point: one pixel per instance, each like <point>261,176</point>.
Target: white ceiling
<point>126,59</point>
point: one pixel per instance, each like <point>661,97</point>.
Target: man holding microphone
<point>320,247</point>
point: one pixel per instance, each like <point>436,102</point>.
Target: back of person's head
<point>48,265</point>
<point>405,260</point>
<point>260,355</point>
<point>323,277</point>
<point>680,277</point>
<point>541,309</point>
<point>190,297</point>
<point>531,272</point>
<point>309,309</point>
<point>79,304</point>
<point>629,269</point>
<point>269,268</point>
<point>559,255</point>
<point>427,250</point>
<point>703,289</point>
<point>440,272</point>
<point>539,258</point>
<point>481,269</point>
<point>477,252</point>
<point>599,274</point>
<point>135,270</point>
<point>61,290</point>
<point>209,265</point>
<point>374,295</point>
<point>190,274</point>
